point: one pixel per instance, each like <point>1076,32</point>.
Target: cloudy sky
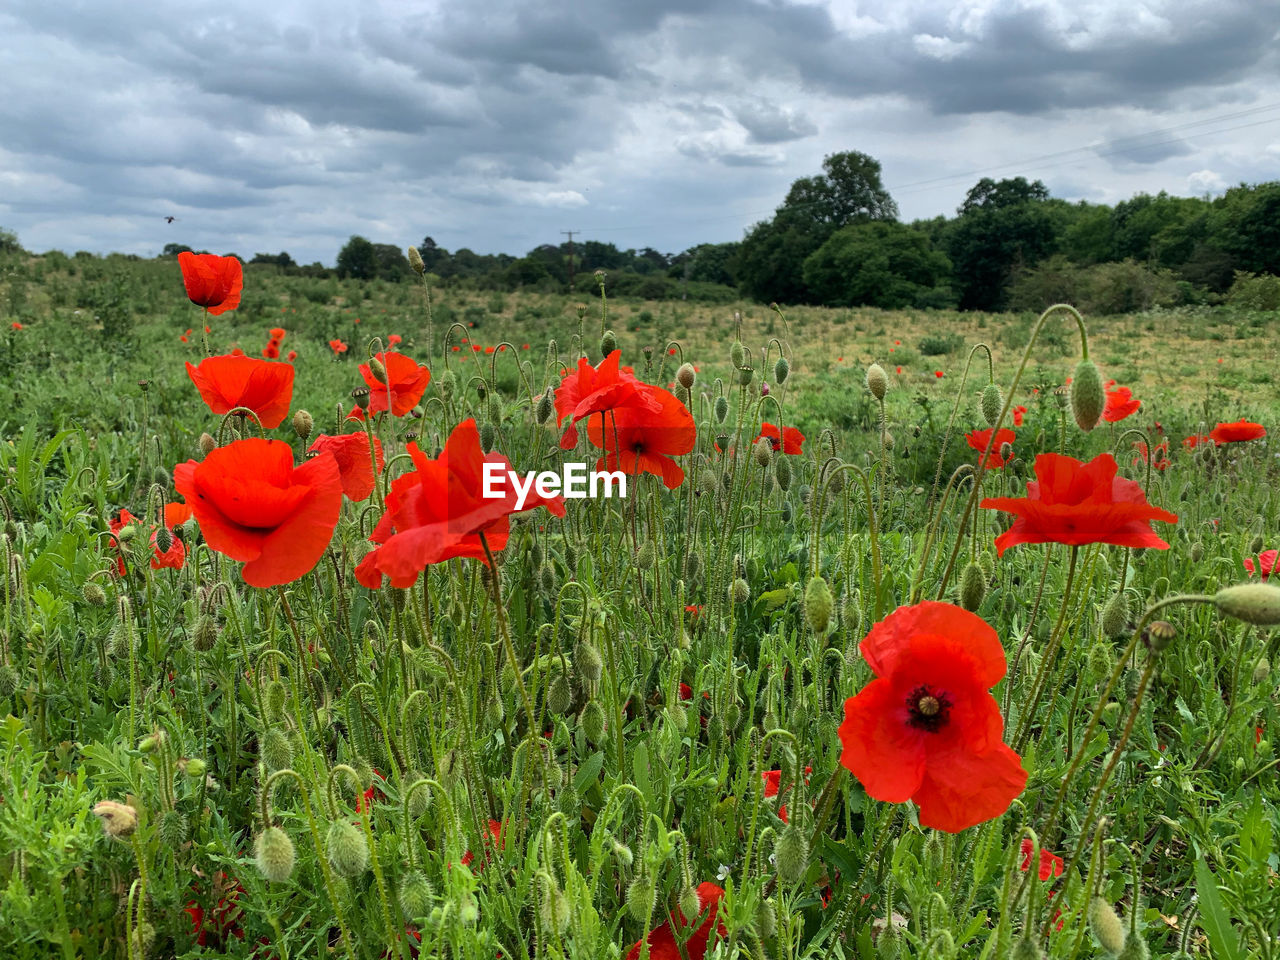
<point>495,125</point>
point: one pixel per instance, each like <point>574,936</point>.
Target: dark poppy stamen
<point>929,708</point>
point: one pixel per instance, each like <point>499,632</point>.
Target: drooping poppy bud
<point>1088,399</point>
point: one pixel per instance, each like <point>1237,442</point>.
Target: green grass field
<point>746,713</point>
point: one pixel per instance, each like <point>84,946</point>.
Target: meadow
<point>918,634</point>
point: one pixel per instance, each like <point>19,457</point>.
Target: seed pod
<point>762,452</point>
<point>973,587</point>
<point>818,605</point>
<point>277,752</point>
<point>721,410</point>
<point>1106,926</point>
<point>1256,603</point>
<point>1087,396</point>
<point>303,424</point>
<point>559,695</point>
<point>877,381</point>
<point>1159,634</point>
<point>737,354</point>
<point>686,375</point>
<point>745,376</point>
<point>608,343</point>
<point>739,591</point>
<point>781,370</point>
<point>346,849</point>
<point>415,895</point>
<point>1115,614</point>
<point>791,854</point>
<point>640,896</point>
<point>273,853</point>
<point>992,404</point>
<point>592,721</point>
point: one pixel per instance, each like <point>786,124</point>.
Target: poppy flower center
<point>929,708</point>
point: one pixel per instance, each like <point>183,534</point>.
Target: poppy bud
<point>608,343</point>
<point>592,721</point>
<point>1135,948</point>
<point>415,261</point>
<point>1159,634</point>
<point>877,381</point>
<point>164,539</point>
<point>766,919</point>
<point>118,819</point>
<point>346,849</point>
<point>762,452</point>
<point>692,564</point>
<point>973,587</point>
<point>745,376</point>
<point>1256,603</point>
<point>303,424</point>
<point>622,852</point>
<point>737,354</point>
<point>690,905</point>
<point>1087,395</point>
<point>587,662</point>
<point>640,898</point>
<point>1115,615</point>
<point>721,410</point>
<point>415,894</point>
<point>276,751</point>
<point>547,579</point>
<point>193,767</point>
<point>1099,662</point>
<point>792,854</point>
<point>1026,949</point>
<point>559,696</point>
<point>494,712</point>
<point>1256,544</point>
<point>173,828</point>
<point>545,407</point>
<point>781,370</point>
<point>992,404</point>
<point>9,680</point>
<point>645,555</point>
<point>1106,926</point>
<point>739,592</point>
<point>889,943</point>
<point>94,594</point>
<point>1006,451</point>
<point>685,376</point>
<point>553,907</point>
<point>448,384</point>
<point>786,509</point>
<point>273,853</point>
<point>488,436</point>
<point>988,565</point>
<point>818,605</point>
<point>1262,670</point>
<point>1197,552</point>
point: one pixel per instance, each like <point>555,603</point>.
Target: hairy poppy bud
<point>781,370</point>
<point>973,587</point>
<point>277,753</point>
<point>686,376</point>
<point>737,354</point>
<point>1087,396</point>
<point>762,452</point>
<point>94,594</point>
<point>1026,949</point>
<point>1160,633</point>
<point>877,381</point>
<point>448,384</point>
<point>118,819</point>
<point>640,897</point>
<point>207,444</point>
<point>992,403</point>
<point>559,696</point>
<point>1135,948</point>
<point>164,539</point>
<point>988,565</point>
<point>346,849</point>
<point>592,721</point>
<point>739,592</point>
<point>889,943</point>
<point>553,908</point>
<point>645,555</point>
<point>586,660</point>
<point>818,605</point>
<point>792,854</point>
<point>415,894</point>
<point>378,370</point>
<point>1256,544</point>
<point>545,407</point>
<point>1115,615</point>
<point>1197,552</point>
<point>303,424</point>
<point>766,923</point>
<point>205,635</point>
<point>1256,603</point>
<point>193,767</point>
<point>782,473</point>
<point>608,343</point>
<point>1106,926</point>
<point>1262,670</point>
<point>415,261</point>
<point>721,409</point>
<point>1099,662</point>
<point>488,436</point>
<point>273,853</point>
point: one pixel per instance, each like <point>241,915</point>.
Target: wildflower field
<point>916,634</point>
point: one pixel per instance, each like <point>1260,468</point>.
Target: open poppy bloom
<point>337,346</point>
<point>979,439</point>
<point>1018,413</point>
<point>591,390</point>
<point>927,728</point>
<point>212,282</point>
<point>1237,432</point>
<point>1050,864</point>
<point>175,515</point>
<point>438,511</point>
<point>1077,503</point>
<point>406,382</point>
<point>1161,452</point>
<point>1266,564</point>
<point>773,784</point>
<point>1194,441</point>
<point>271,351</point>
<point>662,940</point>
<point>277,334</point>
<point>123,518</point>
<point>254,505</point>
<point>789,440</point>
<point>640,440</point>
<point>228,382</point>
<point>351,450</point>
<point>1120,404</point>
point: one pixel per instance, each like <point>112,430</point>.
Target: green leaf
<point>588,771</point>
<point>1213,916</point>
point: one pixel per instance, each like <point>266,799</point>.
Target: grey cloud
<point>770,123</point>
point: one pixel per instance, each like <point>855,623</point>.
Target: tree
<point>358,260</point>
<point>173,249</point>
<point>434,256</point>
<point>876,263</point>
<point>1245,223</point>
<point>1003,226</point>
<point>393,264</point>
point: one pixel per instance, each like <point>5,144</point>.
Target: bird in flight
<point>170,219</point>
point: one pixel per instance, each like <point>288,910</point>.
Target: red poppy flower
<point>122,519</point>
<point>277,333</point>
<point>456,348</point>
<point>1050,864</point>
<point>1120,404</point>
<point>337,346</point>
<point>1266,564</point>
<point>638,440</point>
<point>1194,441</point>
<point>254,505</point>
<point>183,338</point>
<point>979,439</point>
<point>393,339</point>
<point>1161,454</point>
<point>938,374</point>
<point>1018,413</point>
<point>438,511</point>
<point>790,440</point>
<point>476,348</point>
<point>671,352</point>
<point>686,691</point>
<point>591,390</point>
<point>694,610</point>
<point>406,382</point>
<point>1077,503</point>
<point>293,355</point>
<point>271,351</point>
<point>175,514</point>
<point>351,451</point>
<point>927,728</point>
<point>213,928</point>
<point>212,282</point>
<point>228,382</point>
<point>773,784</point>
<point>662,941</point>
<point>17,326</point>
<point>236,352</point>
<point>899,371</point>
<point>1237,432</point>
<point>524,346</point>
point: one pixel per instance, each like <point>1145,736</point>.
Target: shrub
<point>1255,291</point>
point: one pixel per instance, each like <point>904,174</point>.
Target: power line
<point>569,234</point>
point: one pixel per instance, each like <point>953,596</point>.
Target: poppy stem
<point>1046,659</point>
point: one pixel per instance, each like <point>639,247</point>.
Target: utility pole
<point>570,234</point>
